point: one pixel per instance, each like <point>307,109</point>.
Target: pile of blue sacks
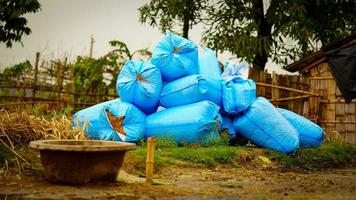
<point>182,94</point>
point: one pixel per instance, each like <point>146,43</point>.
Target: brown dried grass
<point>19,128</point>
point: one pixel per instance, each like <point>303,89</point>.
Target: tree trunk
<point>186,18</point>
<point>263,34</point>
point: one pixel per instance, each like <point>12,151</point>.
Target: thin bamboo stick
<point>290,98</point>
<point>150,159</point>
<point>286,88</point>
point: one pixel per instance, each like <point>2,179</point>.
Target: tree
<point>88,73</point>
<point>253,30</point>
<point>169,13</point>
<point>12,23</point>
<point>15,72</point>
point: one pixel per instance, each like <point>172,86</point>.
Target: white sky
<point>64,27</point>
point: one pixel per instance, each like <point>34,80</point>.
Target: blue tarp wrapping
<point>99,127</point>
<point>227,124</point>
<point>190,89</point>
<point>238,94</point>
<point>140,83</point>
<point>192,123</point>
<point>263,125</point>
<point>209,65</point>
<point>176,57</point>
<point>310,134</point>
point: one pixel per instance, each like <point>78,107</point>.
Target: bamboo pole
<point>286,88</point>
<point>91,47</point>
<point>290,98</point>
<point>36,75</point>
<point>150,158</point>
<point>321,78</point>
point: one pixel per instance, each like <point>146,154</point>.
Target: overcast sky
<point>64,27</point>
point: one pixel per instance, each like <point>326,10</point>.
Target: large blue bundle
<point>263,125</point>
<point>190,89</point>
<point>227,124</point>
<point>310,134</point>
<point>209,65</point>
<point>140,83</point>
<point>129,119</point>
<point>192,123</point>
<point>238,94</point>
<point>176,57</point>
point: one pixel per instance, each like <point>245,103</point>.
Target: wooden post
<point>150,158</point>
<point>275,91</point>
<point>91,47</point>
<point>36,74</point>
<point>63,69</point>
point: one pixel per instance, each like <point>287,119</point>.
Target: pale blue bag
<point>176,57</point>
<point>209,65</point>
<point>310,134</point>
<point>238,94</point>
<point>99,127</point>
<point>193,123</point>
<point>140,83</point>
<point>191,89</point>
<point>263,125</point>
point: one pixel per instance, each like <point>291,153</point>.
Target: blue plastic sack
<point>190,89</point>
<point>187,124</point>
<point>140,83</point>
<point>310,134</point>
<point>99,127</point>
<point>227,124</point>
<point>263,125</point>
<point>176,57</point>
<point>238,94</point>
<point>231,70</point>
<point>209,65</point>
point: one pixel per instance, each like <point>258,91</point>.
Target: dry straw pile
<point>19,128</point>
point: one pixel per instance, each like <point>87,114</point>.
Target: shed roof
<point>310,59</point>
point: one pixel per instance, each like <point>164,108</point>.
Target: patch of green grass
<point>327,156</point>
<point>168,153</point>
<point>209,156</point>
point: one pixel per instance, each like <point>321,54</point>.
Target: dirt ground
<point>197,183</point>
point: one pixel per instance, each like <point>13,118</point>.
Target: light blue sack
<point>238,94</point>
<point>310,134</point>
<point>263,125</point>
<point>99,127</point>
<point>227,124</point>
<point>190,89</point>
<point>176,57</point>
<point>209,65</point>
<point>187,124</point>
<point>140,83</point>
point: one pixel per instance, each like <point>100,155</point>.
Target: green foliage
<point>327,156</point>
<point>16,71</point>
<point>249,32</point>
<point>88,74</point>
<point>12,23</point>
<point>169,14</point>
